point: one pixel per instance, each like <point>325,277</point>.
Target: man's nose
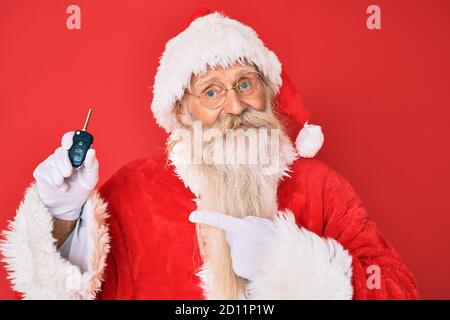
<point>234,104</point>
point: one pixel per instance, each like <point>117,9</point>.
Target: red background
<point>382,97</point>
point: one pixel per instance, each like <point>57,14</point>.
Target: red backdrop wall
<point>382,97</point>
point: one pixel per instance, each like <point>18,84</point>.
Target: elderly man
<point>233,211</point>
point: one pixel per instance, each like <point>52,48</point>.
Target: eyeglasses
<point>248,86</point>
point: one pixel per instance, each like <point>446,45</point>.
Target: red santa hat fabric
<point>212,39</point>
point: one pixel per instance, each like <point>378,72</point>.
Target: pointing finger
<point>215,219</point>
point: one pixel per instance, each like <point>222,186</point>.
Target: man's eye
<point>244,85</point>
<point>211,93</point>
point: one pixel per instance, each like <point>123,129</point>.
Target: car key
<point>82,141</point>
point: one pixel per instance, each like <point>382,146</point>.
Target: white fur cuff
<point>36,268</point>
<point>301,265</point>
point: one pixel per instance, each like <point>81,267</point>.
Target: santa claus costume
<point>134,230</point>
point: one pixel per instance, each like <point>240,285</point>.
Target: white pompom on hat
<point>215,40</point>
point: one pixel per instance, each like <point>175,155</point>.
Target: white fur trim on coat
<point>36,268</point>
<point>301,265</point>
<point>212,40</point>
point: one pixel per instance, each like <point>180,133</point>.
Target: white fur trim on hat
<point>309,140</point>
<point>213,40</point>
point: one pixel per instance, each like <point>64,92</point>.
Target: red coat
<point>154,253</point>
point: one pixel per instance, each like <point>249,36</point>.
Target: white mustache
<point>250,118</point>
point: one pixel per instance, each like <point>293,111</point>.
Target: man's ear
<point>182,111</point>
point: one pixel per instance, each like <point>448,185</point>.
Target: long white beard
<point>235,189</point>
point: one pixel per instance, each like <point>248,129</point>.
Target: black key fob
<point>82,141</point>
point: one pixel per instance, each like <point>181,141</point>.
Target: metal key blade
<point>87,119</point>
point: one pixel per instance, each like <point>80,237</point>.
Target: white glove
<point>61,188</point>
<point>246,237</point>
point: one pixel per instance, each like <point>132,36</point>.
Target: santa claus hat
<point>211,40</point>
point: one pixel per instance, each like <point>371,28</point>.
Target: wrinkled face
<point>208,99</point>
